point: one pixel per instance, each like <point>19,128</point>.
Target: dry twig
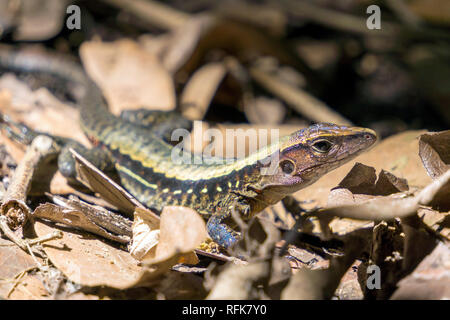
<point>13,205</point>
<point>300,100</point>
<point>156,13</point>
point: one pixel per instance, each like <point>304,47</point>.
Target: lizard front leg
<point>220,231</point>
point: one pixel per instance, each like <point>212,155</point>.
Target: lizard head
<point>308,154</point>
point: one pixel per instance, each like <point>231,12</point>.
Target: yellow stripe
<point>135,176</point>
<point>191,172</point>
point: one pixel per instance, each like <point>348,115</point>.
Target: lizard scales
<point>143,159</point>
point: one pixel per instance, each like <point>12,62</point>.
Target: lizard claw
<point>221,233</point>
<point>17,131</point>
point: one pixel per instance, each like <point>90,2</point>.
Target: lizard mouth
<point>324,165</point>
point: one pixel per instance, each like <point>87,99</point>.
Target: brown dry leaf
<point>441,200</point>
<point>41,111</point>
<point>129,76</point>
<point>182,285</point>
<point>13,261</point>
<point>359,178</point>
<point>241,279</point>
<point>358,186</point>
<point>392,206</point>
<point>182,230</point>
<point>349,287</point>
<point>88,261</point>
<point>355,187</point>
<point>434,150</point>
<point>430,280</point>
<point>29,287</point>
<point>105,186</point>
<point>200,89</point>
<point>397,154</point>
<point>15,150</point>
<point>361,184</point>
<point>263,110</point>
<point>388,183</point>
<point>237,282</point>
<point>145,233</point>
<point>438,196</point>
<point>436,191</point>
<point>308,285</point>
<point>154,272</point>
<point>39,19</point>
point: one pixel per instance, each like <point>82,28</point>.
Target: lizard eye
<point>322,146</point>
<point>287,166</point>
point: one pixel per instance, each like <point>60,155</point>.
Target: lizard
<point>135,145</point>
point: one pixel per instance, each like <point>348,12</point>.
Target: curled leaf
<point>147,84</point>
<point>389,207</point>
<point>434,150</point>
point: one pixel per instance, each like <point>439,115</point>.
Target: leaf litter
<point>351,218</point>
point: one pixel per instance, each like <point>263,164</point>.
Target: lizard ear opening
<point>287,166</point>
